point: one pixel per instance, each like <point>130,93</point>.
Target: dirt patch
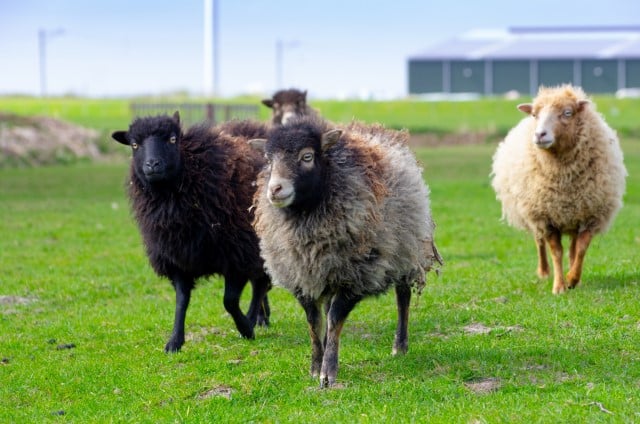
<point>220,391</point>
<point>479,328</point>
<point>483,385</point>
<point>15,300</point>
<point>32,141</point>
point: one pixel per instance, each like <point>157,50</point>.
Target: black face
<point>296,159</point>
<point>155,144</point>
<point>157,159</point>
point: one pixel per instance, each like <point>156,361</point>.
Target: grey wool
<point>343,213</point>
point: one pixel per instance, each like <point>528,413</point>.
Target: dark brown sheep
<point>190,194</point>
<point>288,104</point>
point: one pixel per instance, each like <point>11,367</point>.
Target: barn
<point>489,62</point>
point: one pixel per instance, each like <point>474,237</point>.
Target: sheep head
<point>556,112</point>
<point>155,145</point>
<point>286,105</point>
<point>296,164</point>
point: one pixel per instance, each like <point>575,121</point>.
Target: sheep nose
<point>540,134</point>
<point>276,188</point>
<point>152,166</point>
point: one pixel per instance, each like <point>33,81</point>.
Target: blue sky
<point>343,48</point>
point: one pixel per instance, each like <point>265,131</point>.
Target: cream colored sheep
<point>560,171</point>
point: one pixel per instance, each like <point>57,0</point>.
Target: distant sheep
<point>190,193</point>
<point>343,214</point>
<point>288,104</point>
<point>560,171</point>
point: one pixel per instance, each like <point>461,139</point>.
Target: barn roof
<point>539,43</point>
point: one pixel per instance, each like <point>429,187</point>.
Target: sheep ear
<point>176,116</point>
<point>525,107</point>
<point>304,94</point>
<point>258,143</point>
<point>268,102</point>
<point>582,104</point>
<point>120,137</point>
<point>330,138</point>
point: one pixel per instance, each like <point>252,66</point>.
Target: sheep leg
<point>543,264</point>
<point>312,308</point>
<point>555,245</point>
<point>233,285</point>
<point>327,306</point>
<point>572,249</point>
<point>183,287</point>
<point>403,299</point>
<point>264,313</point>
<point>259,310</point>
<point>580,244</point>
<point>341,306</point>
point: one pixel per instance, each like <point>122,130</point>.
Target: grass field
<point>491,116</point>
<point>84,320</point>
<point>72,261</point>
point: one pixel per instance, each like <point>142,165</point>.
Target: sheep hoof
<point>543,273</point>
<point>172,346</point>
<point>248,335</point>
<point>399,350</point>
<point>326,382</point>
<point>572,281</point>
<point>573,284</point>
<point>559,288</point>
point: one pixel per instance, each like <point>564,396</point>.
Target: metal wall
<point>555,72</point>
<point>511,75</point>
<point>525,76</point>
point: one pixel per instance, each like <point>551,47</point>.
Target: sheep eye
<point>307,157</point>
<point>172,140</point>
<point>567,113</point>
<point>134,145</point>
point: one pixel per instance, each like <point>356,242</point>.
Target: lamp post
<point>280,46</point>
<point>44,36</point>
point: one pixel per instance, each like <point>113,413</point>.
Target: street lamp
<point>280,46</point>
<point>43,36</point>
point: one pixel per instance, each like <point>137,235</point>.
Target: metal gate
<point>191,113</point>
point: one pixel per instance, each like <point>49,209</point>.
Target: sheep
<point>190,194</point>
<point>342,214</point>
<point>288,104</point>
<point>560,171</point>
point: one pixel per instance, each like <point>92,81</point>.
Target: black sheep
<point>190,194</point>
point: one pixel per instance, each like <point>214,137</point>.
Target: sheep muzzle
<point>280,192</point>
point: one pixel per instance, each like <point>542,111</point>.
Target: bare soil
<point>32,141</point>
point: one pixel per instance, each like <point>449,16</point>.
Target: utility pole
<point>43,37</point>
<point>210,71</point>
<point>280,46</point>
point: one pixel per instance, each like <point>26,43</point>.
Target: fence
<point>191,113</point>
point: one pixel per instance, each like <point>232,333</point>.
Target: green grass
<point>493,116</point>
<point>71,252</point>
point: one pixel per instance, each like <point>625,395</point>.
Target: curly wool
<point>372,229</point>
<point>577,188</point>
<point>202,224</point>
